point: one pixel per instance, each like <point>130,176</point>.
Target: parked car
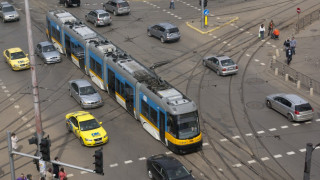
<point>164,31</point>
<point>84,93</point>
<point>292,106</point>
<point>16,58</point>
<point>166,168</point>
<point>8,12</point>
<point>68,3</point>
<point>223,65</point>
<point>117,7</point>
<point>47,52</point>
<point>98,17</point>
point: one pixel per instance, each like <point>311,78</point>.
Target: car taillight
<point>236,67</point>
<point>224,69</point>
<point>312,109</point>
<point>296,112</point>
<point>98,19</point>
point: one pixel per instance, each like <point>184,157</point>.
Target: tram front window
<point>188,125</point>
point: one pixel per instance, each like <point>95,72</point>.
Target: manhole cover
<point>255,81</point>
<point>313,30</point>
<point>255,105</point>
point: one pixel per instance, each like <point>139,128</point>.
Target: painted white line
<point>263,40</point>
<point>94,4</point>
<point>199,9</point>
<point>172,14</point>
<point>260,132</point>
<point>164,10</point>
<point>3,87</point>
<point>24,118</point>
<point>262,64</point>
<point>256,60</point>
<point>235,137</point>
<point>252,161</point>
<point>236,26</point>
<point>218,17</point>
<point>309,122</point>
<point>32,130</point>
<point>128,162</point>
<point>295,124</point>
<point>158,7</point>
<point>272,129</point>
<point>302,150</point>
<point>20,112</point>
<point>237,165</point>
<point>264,159</point>
<point>188,4</point>
<point>205,144</point>
<point>179,17</point>
<point>114,165</point>
<point>251,34</point>
<point>175,16</point>
<point>11,99</point>
<point>16,106</point>
<point>317,147</point>
<point>69,175</point>
<point>223,140</point>
<point>231,24</point>
<point>277,156</point>
<point>229,44</point>
<point>192,6</point>
<point>268,43</point>
<point>318,120</point>
<point>216,37</point>
<point>210,34</point>
<point>220,169</point>
<point>248,55</point>
<point>168,12</point>
<point>8,95</point>
<point>6,91</point>
<point>28,125</point>
<point>290,153</point>
<point>274,46</point>
<point>224,42</point>
<point>169,152</point>
<point>241,29</point>
<point>219,39</point>
<point>247,32</point>
<point>142,158</point>
<point>284,127</point>
<point>83,172</point>
<point>249,134</point>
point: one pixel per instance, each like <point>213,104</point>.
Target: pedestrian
<point>286,43</point>
<point>171,4</point>
<point>22,177</point>
<point>14,140</point>
<point>62,174</point>
<point>49,175</point>
<point>261,31</point>
<point>270,28</point>
<point>42,178</point>
<point>293,44</point>
<point>289,55</point>
<point>56,169</point>
<point>29,177</point>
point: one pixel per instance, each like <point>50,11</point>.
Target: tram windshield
<point>188,125</point>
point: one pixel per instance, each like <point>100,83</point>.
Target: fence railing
<point>307,20</point>
<point>295,76</point>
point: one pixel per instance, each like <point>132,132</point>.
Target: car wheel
<point>162,39</point>
<point>204,63</point>
<point>149,34</point>
<point>150,174</point>
<point>290,118</point>
<point>81,142</point>
<point>218,72</point>
<point>68,127</point>
<point>95,24</point>
<point>115,13</point>
<point>268,103</point>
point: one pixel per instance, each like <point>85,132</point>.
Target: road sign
<point>206,12</point>
<point>298,10</point>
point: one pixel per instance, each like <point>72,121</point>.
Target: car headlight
<point>88,139</point>
<point>85,102</point>
<point>100,101</point>
<point>16,65</point>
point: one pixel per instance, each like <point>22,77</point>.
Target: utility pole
<point>307,163</point>
<point>35,90</point>
<point>202,15</point>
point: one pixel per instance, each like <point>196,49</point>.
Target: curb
<point>216,28</point>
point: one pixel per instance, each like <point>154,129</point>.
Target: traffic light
<point>205,3</point>
<point>33,140</point>
<point>45,149</point>
<point>200,2</point>
<point>98,161</point>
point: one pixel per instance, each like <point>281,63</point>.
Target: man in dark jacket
<point>289,55</point>
<point>56,169</point>
<point>286,43</point>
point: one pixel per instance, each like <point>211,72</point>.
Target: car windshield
<point>17,55</point>
<point>303,107</point>
<point>8,9</point>
<point>89,125</point>
<point>188,125</point>
<point>87,90</point>
<point>48,48</point>
<point>173,30</point>
<point>227,62</point>
<point>123,4</point>
<point>177,173</point>
<point>103,15</point>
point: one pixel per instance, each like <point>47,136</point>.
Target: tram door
<point>111,83</point>
<point>129,98</point>
<point>68,46</point>
<point>162,127</point>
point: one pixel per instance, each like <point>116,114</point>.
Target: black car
<point>167,168</point>
<point>68,3</point>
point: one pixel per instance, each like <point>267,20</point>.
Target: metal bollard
<point>298,84</point>
<point>311,91</point>
<point>277,53</point>
<point>287,77</point>
<point>276,71</point>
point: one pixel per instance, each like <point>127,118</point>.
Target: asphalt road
<point>243,139</point>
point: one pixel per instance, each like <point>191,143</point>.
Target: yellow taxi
<point>87,129</point>
<point>16,58</point>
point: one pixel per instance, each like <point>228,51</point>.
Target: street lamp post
<point>307,164</point>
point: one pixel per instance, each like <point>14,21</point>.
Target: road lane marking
<point>262,64</point>
<point>223,140</point>
<point>20,112</point>
<point>237,165</point>
<point>264,159</point>
<point>252,161</point>
<point>169,152</point>
<point>16,106</point>
<point>317,120</point>
<point>309,122</point>
<point>256,60</point>
<point>249,134</point>
<point>83,172</point>
<point>277,156</point>
<point>128,162</point>
<point>235,137</point>
<point>284,127</point>
<point>3,87</point>
<point>260,132</point>
<point>114,165</point>
<point>69,175</point>
<point>6,91</point>
<point>11,99</point>
<point>295,124</point>
<point>8,95</point>
<point>205,144</point>
<point>291,153</point>
<point>272,129</point>
<point>302,150</point>
<point>248,55</point>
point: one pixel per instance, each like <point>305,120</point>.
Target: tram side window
<point>92,64</point>
<point>117,86</point>
<point>153,116</point>
<point>98,70</point>
<point>56,34</point>
<point>170,126</point>
<point>122,89</point>
<point>144,109</point>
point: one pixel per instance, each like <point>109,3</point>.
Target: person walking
<point>261,31</point>
<point>270,28</point>
<point>56,169</point>
<point>14,141</point>
<point>29,177</point>
<point>293,44</point>
<point>22,177</point>
<point>62,174</point>
<point>49,175</point>
<point>289,55</point>
<point>286,43</point>
<point>171,4</point>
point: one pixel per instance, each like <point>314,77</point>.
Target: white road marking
<point>290,153</point>
<point>210,34</point>
<point>229,44</point>
<point>268,43</point>
<point>114,165</point>
<point>6,91</point>
<point>179,17</point>
<point>28,125</point>
<point>235,137</point>
<point>128,162</point>
<point>199,9</point>
<point>252,161</point>
<point>83,172</point>
<point>216,37</point>
<point>231,24</point>
<point>69,175</point>
<point>94,4</point>
<point>284,127</point>
<point>172,14</point>
<point>158,7</point>
<point>168,12</point>
<point>32,130</point>
<point>295,124</point>
<point>205,144</point>
<point>218,17</point>
<point>142,158</point>
<point>309,122</point>
<point>302,150</point>
<point>169,152</point>
<point>3,87</point>
<point>220,169</point>
<point>262,64</point>
<point>263,40</point>
<point>264,159</point>
<point>11,99</point>
<point>247,32</point>
<point>260,132</point>
<point>241,29</point>
<point>237,165</point>
<point>219,39</point>
<point>317,120</point>
<point>256,60</point>
<point>223,140</point>
<point>20,112</point>
<point>192,6</point>
<point>164,10</point>
<point>317,147</point>
<point>251,34</point>
<point>24,118</point>
<point>16,106</point>
<point>175,16</point>
<point>236,26</point>
<point>188,4</point>
<point>277,156</point>
<point>248,55</point>
<point>272,129</point>
<point>249,134</point>
<point>274,46</point>
<point>224,42</point>
<point>8,95</point>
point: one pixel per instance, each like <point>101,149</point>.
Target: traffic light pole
<point>202,14</point>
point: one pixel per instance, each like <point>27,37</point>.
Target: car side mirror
<point>100,123</point>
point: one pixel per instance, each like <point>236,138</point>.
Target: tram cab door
<point>111,83</point>
<point>162,128</point>
<point>68,46</point>
<point>129,98</point>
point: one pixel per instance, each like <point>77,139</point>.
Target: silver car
<point>164,31</point>
<point>85,94</point>
<point>223,65</point>
<point>8,12</point>
<point>47,52</point>
<point>290,105</point>
<point>98,17</point>
<point>117,7</point>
